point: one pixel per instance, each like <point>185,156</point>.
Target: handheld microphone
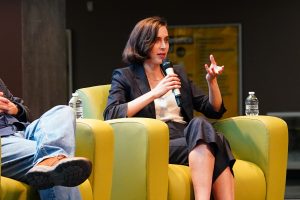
<point>167,67</point>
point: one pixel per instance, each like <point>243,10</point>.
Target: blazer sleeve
<point>194,98</point>
<point>201,103</point>
<point>117,102</point>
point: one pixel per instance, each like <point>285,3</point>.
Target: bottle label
<point>252,107</point>
<point>79,112</point>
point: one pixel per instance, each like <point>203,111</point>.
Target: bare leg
<point>201,162</point>
<point>223,187</point>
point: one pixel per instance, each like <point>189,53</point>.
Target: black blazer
<point>131,82</point>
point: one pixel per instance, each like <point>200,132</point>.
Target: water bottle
<point>76,103</point>
<point>251,105</point>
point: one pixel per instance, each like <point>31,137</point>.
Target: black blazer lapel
<point>143,86</point>
<point>141,79</point>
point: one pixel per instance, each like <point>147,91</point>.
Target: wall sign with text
<point>190,47</point>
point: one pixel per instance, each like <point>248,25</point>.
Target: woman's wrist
<point>212,82</point>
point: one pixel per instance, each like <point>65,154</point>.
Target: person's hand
<point>6,106</point>
<point>169,82</point>
<point>213,70</point>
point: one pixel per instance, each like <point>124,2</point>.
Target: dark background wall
<point>11,45</point>
<point>33,51</point>
<point>44,54</point>
<point>270,41</point>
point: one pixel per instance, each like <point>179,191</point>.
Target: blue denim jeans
<point>50,135</point>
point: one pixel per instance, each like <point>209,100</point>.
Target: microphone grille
<point>166,64</point>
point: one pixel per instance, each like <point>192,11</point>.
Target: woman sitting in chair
<point>144,89</point>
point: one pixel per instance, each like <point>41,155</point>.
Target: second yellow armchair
<point>259,144</point>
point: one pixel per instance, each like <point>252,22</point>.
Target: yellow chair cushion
<point>180,183</point>
<point>86,190</point>
<point>249,180</point>
<point>16,190</point>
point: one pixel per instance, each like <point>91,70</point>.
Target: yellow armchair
<point>94,140</point>
<point>259,144</point>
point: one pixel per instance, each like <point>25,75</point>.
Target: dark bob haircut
<point>141,39</point>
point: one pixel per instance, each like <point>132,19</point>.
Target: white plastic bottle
<point>76,104</point>
<point>251,105</point>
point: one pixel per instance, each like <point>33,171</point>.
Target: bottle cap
<point>75,94</point>
<point>251,92</point>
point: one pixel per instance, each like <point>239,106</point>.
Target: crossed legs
<point>201,162</point>
<point>49,137</point>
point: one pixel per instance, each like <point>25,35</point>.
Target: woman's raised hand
<point>213,70</point>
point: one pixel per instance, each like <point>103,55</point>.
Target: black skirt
<point>185,137</point>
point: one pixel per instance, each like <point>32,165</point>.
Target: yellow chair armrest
<point>141,159</point>
<point>95,141</point>
<point>262,140</point>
